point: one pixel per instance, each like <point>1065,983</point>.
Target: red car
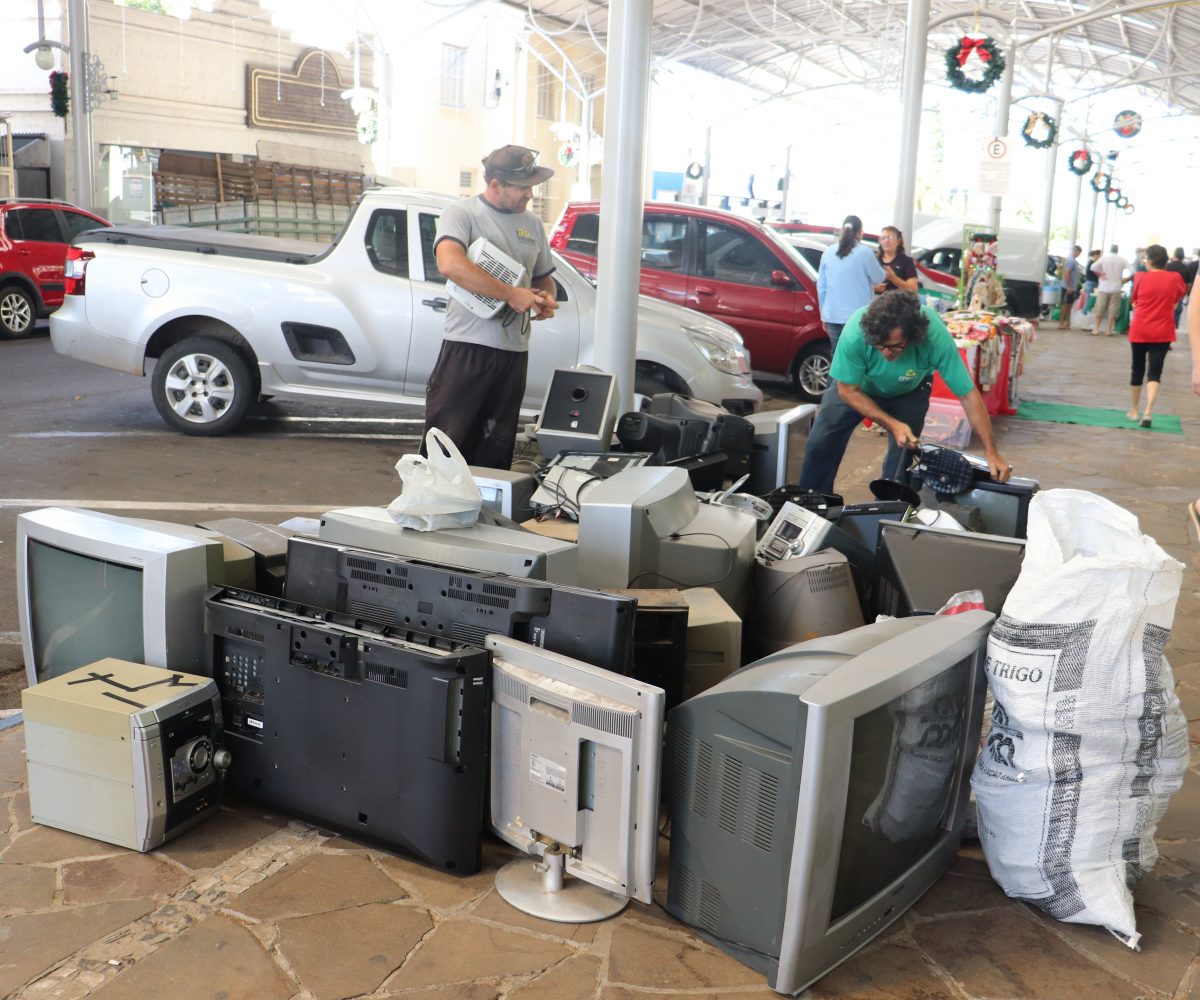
<point>34,236</point>
<point>731,268</point>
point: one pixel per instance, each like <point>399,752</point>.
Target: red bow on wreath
<point>969,45</point>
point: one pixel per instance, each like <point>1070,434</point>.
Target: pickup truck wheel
<point>18,312</point>
<point>202,387</point>
<point>810,372</point>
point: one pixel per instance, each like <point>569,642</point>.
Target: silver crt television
<point>818,793</point>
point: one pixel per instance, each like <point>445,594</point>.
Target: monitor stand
<point>540,889</point>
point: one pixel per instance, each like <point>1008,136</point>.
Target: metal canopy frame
<point>791,48</point>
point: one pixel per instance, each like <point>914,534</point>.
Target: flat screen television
<point>463,605</point>
<point>920,567</point>
<point>574,782</point>
<point>818,793</point>
<point>377,732</point>
<point>92,585</point>
<point>481,546</point>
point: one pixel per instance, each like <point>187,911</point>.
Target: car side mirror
<point>782,279</point>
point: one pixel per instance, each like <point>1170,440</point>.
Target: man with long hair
<point>883,369</point>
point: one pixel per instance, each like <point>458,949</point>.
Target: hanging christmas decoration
<point>568,153</point>
<point>1122,202</point>
<point>695,170</point>
<point>60,100</point>
<point>1127,124</point>
<point>1112,195</point>
<point>974,64</point>
<point>1039,130</point>
<point>1080,162</point>
<point>1101,181</point>
<point>1129,208</point>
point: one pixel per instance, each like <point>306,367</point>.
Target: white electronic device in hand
<point>794,532</point>
<point>499,265</point>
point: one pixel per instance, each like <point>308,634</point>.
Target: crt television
<point>574,782</point>
<point>817,793</point>
<point>92,585</point>
<point>779,440</point>
<point>463,605</point>
<point>481,546</point>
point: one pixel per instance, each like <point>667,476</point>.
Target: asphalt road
<point>74,434</point>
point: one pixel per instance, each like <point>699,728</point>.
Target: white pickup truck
<point>233,318</point>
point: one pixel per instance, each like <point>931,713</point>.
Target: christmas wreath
<point>1101,181</point>
<point>1039,121</point>
<point>1122,202</point>
<point>1081,162</point>
<point>1112,195</point>
<point>1129,208</point>
<point>59,98</point>
<point>367,126</point>
<point>568,154</point>
<point>974,52</point>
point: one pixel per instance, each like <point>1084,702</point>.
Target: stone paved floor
<point>251,906</point>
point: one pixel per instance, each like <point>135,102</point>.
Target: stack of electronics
<point>418,688</point>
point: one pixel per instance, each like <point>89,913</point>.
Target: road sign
<point>995,169</point>
<point>997,149</point>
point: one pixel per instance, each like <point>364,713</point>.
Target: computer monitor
<point>645,527</point>
<point>92,585</point>
<point>920,567</point>
<point>463,605</point>
<point>377,732</point>
<point>574,782</point>
<point>504,491</point>
<point>817,793</point>
<point>779,440</point>
<point>802,598</point>
<point>1003,507</point>
<point>481,546</point>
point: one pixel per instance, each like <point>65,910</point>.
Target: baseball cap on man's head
<point>515,165</point>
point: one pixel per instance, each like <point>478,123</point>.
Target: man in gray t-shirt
<point>475,390</point>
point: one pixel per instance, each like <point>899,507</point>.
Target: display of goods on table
<point>993,349</point>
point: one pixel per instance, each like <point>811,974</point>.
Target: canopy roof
<point>790,48</point>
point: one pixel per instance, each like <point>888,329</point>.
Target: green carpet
<point>1092,416</point>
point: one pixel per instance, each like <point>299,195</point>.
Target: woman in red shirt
<point>1156,292</point>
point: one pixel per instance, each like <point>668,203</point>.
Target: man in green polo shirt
<point>883,369</point>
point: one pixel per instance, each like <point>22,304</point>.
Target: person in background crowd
<point>846,279</point>
<point>1139,260</point>
<point>883,369</point>
<point>899,268</point>
<point>1090,279</point>
<point>1193,332</point>
<point>1180,267</point>
<point>1156,292</point>
<point>1070,278</point>
<point>1110,274</point>
<point>476,387</point>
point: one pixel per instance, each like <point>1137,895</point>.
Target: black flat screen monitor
<point>921,567</point>
<point>463,605</point>
<point>378,733</point>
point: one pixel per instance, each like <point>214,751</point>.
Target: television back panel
<point>379,733</point>
<point>920,568</point>
<point>462,605</point>
<point>780,437</point>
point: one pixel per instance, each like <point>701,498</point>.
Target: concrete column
<point>618,266</point>
<point>81,118</point>
<point>1051,167</point>
<point>916,43</point>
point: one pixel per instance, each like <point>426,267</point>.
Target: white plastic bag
<point>1087,742</point>
<point>438,491</point>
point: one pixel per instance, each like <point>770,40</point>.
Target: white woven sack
<point>1088,742</point>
